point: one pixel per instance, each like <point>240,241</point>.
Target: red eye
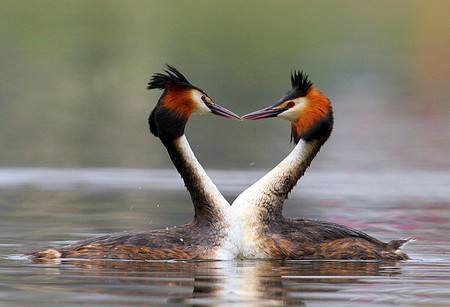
<point>204,98</point>
<point>290,104</point>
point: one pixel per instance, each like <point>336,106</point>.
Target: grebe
<point>214,232</point>
<point>266,233</point>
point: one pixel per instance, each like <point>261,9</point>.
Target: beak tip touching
<point>260,114</point>
<point>221,111</point>
<point>247,116</point>
<point>256,115</point>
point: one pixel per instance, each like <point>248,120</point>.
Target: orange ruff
<point>317,108</point>
<point>179,101</point>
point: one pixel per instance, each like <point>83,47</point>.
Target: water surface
<point>53,207</point>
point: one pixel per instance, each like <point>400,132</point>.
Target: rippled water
<point>53,207</point>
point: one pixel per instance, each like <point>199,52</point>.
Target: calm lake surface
<point>54,207</point>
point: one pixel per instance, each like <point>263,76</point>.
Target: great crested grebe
<point>214,232</point>
<point>265,232</point>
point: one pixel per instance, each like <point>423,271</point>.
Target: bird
<point>266,233</point>
<point>214,232</point>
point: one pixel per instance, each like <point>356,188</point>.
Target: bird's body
<point>266,233</point>
<point>214,232</point>
<point>181,242</point>
<point>317,240</point>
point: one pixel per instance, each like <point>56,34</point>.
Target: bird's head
<point>308,110</point>
<point>178,102</point>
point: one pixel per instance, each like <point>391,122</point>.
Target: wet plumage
<point>149,245</point>
<point>314,239</point>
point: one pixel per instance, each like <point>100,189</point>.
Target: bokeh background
<point>73,77</point>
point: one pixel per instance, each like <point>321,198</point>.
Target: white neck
<point>263,201</point>
<point>204,184</point>
<point>209,204</point>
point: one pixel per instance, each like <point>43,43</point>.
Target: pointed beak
<point>264,113</point>
<point>221,111</point>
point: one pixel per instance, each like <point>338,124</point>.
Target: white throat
<point>254,202</point>
<point>206,183</point>
<point>230,245</point>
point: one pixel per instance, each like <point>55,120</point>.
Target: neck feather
<point>264,199</point>
<point>209,203</point>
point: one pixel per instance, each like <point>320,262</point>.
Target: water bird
<point>266,233</point>
<point>214,232</point>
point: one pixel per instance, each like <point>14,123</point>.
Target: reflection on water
<point>54,207</point>
<point>225,281</point>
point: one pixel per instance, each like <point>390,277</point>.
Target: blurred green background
<point>73,77</point>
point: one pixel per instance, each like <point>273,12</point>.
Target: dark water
<point>53,207</point>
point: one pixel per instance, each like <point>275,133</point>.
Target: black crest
<point>300,83</point>
<point>300,86</point>
<point>162,123</point>
<point>171,77</point>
